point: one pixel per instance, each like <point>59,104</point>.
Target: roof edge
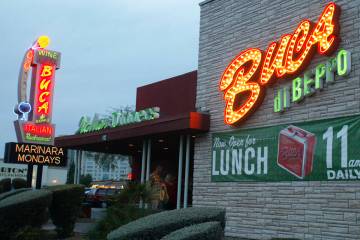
<point>205,2</point>
<point>169,78</point>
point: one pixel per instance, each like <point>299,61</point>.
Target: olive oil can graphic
<point>296,151</point>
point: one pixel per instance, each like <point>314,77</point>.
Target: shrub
<point>158,225</point>
<point>86,180</point>
<point>28,208</point>
<point>13,192</point>
<point>117,216</point>
<point>202,231</point>
<point>65,207</point>
<point>19,183</point>
<point>132,193</point>
<point>5,185</point>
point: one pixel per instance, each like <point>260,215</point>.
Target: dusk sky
<point>109,48</point>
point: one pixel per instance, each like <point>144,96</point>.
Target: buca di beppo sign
<point>248,74</point>
<point>24,153</point>
<point>34,114</point>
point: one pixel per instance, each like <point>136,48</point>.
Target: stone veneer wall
<point>261,210</point>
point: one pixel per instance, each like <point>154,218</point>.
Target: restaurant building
<point>160,132</point>
<point>267,128</point>
<point>280,80</point>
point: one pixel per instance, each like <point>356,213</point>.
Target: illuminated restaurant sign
<point>24,153</point>
<point>117,119</point>
<point>312,81</point>
<point>34,115</point>
<point>248,74</point>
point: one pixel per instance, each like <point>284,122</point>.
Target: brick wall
<point>305,210</point>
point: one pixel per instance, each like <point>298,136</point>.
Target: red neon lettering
<point>28,60</point>
<point>270,66</point>
<point>282,59</point>
<point>38,129</point>
<point>235,81</point>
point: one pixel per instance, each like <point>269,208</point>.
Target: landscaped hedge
<point>202,231</point>
<point>13,192</point>
<point>65,207</point>
<point>19,183</point>
<point>5,185</point>
<point>158,225</point>
<point>116,216</point>
<point>28,208</point>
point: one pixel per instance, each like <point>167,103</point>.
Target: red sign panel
<point>42,107</point>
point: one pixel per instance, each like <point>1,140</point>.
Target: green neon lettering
<point>84,125</point>
<point>114,119</point>
<point>319,76</point>
<point>277,101</point>
<point>117,119</point>
<point>330,70</point>
<point>122,120</point>
<point>343,63</point>
<point>130,118</point>
<point>286,97</point>
<point>297,93</point>
<point>137,117</point>
<point>308,83</point>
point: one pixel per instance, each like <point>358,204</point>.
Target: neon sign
<point>248,74</point>
<point>117,119</point>
<point>44,86</point>
<point>34,115</point>
<point>312,81</point>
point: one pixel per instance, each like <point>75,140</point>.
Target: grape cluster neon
<point>248,73</point>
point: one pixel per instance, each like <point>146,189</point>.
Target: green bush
<point>13,192</point>
<point>132,193</point>
<point>19,183</point>
<point>202,231</point>
<point>117,216</point>
<point>28,208</point>
<point>65,207</point>
<point>86,180</point>
<point>158,225</point>
<point>5,185</point>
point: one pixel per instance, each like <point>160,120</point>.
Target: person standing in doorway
<point>171,191</point>
<point>155,183</point>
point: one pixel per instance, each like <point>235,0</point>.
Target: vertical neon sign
<point>34,115</point>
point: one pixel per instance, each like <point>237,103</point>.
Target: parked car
<point>99,197</point>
